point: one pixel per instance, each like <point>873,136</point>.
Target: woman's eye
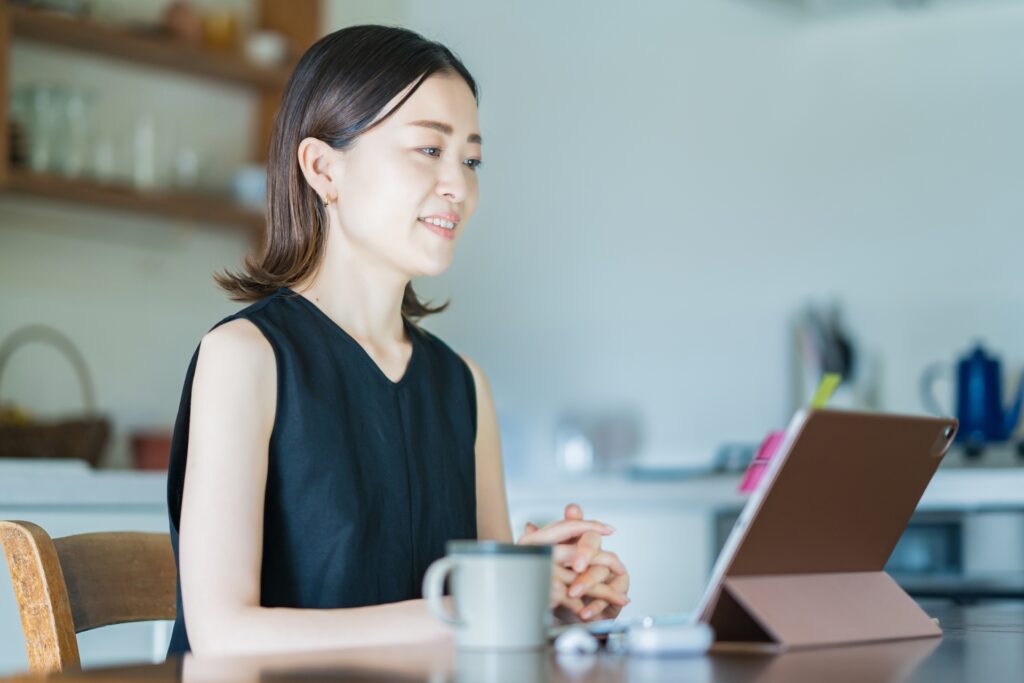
<point>436,152</point>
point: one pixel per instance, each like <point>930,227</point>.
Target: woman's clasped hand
<point>588,583</point>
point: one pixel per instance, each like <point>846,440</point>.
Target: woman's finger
<point>588,524</point>
<point>620,583</point>
<point>581,584</point>
<point>564,554</point>
<point>572,511</point>
<point>559,597</point>
<point>587,549</point>
<point>560,532</point>
<point>594,610</point>
<point>560,600</point>
<point>575,601</point>
<point>607,611</point>
<point>565,575</point>
<point>604,591</point>
<point>556,593</point>
<point>574,605</point>
<point>607,558</point>
<point>610,612</point>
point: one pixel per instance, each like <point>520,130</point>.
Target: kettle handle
<point>1013,415</point>
<point>927,388</point>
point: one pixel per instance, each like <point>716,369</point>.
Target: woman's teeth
<point>447,225</point>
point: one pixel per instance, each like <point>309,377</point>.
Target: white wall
<point>665,184</point>
<point>135,295</point>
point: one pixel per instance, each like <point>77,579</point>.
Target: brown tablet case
<point>807,566</point>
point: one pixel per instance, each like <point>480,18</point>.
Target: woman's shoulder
<point>236,366</point>
<point>439,347</point>
<point>253,312</point>
<point>247,326</point>
<point>239,338</point>
<point>464,362</point>
<point>236,335</point>
<point>479,378</point>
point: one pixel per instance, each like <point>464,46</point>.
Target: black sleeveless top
<point>367,478</point>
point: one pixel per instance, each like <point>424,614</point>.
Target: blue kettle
<point>979,399</point>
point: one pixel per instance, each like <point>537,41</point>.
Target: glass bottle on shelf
<point>78,131</point>
<point>144,156</point>
<point>42,107</point>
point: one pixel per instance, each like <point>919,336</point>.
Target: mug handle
<point>433,589</point>
<point>927,387</point>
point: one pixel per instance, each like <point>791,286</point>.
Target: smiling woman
<point>346,87</point>
<point>326,446</point>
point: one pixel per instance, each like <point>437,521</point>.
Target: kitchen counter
<point>954,488</point>
<point>61,484</point>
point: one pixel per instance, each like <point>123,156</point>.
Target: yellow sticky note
<point>826,387</point>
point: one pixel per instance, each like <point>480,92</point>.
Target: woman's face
<point>418,164</point>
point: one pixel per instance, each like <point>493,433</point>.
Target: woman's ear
<point>321,166</point>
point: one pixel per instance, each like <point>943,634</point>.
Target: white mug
<point>500,594</point>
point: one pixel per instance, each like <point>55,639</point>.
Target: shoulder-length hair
<point>340,85</point>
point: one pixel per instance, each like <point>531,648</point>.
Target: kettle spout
<point>1013,416</point>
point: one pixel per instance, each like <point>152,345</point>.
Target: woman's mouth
<point>439,226</point>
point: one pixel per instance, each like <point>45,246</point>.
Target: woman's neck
<point>363,298</point>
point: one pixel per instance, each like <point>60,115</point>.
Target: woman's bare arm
<point>579,561</point>
<point>233,405</point>
<point>492,520</point>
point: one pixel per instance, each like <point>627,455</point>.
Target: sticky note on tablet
<point>756,469</point>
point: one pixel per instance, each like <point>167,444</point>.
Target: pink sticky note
<point>757,466</point>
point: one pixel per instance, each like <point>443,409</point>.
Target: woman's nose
<point>452,183</point>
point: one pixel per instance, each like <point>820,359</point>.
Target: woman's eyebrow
<point>446,129</point>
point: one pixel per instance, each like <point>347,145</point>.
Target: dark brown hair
<point>339,86</point>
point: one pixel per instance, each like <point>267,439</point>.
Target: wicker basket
<point>82,437</point>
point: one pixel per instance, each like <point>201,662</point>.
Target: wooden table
<point>983,644</point>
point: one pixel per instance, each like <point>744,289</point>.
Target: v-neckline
<point>329,322</point>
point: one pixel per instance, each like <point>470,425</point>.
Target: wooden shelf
<point>297,20</point>
<point>90,36</point>
<point>172,204</point>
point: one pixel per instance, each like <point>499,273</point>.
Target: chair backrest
<point>72,584</point>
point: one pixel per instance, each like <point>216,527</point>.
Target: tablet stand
<point>790,611</point>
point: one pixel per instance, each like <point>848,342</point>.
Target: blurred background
<point>689,211</point>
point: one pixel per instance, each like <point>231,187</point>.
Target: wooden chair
<point>72,584</point>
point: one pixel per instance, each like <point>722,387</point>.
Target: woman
<point>326,447</point>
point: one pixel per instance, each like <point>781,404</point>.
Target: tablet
<point>804,562</point>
